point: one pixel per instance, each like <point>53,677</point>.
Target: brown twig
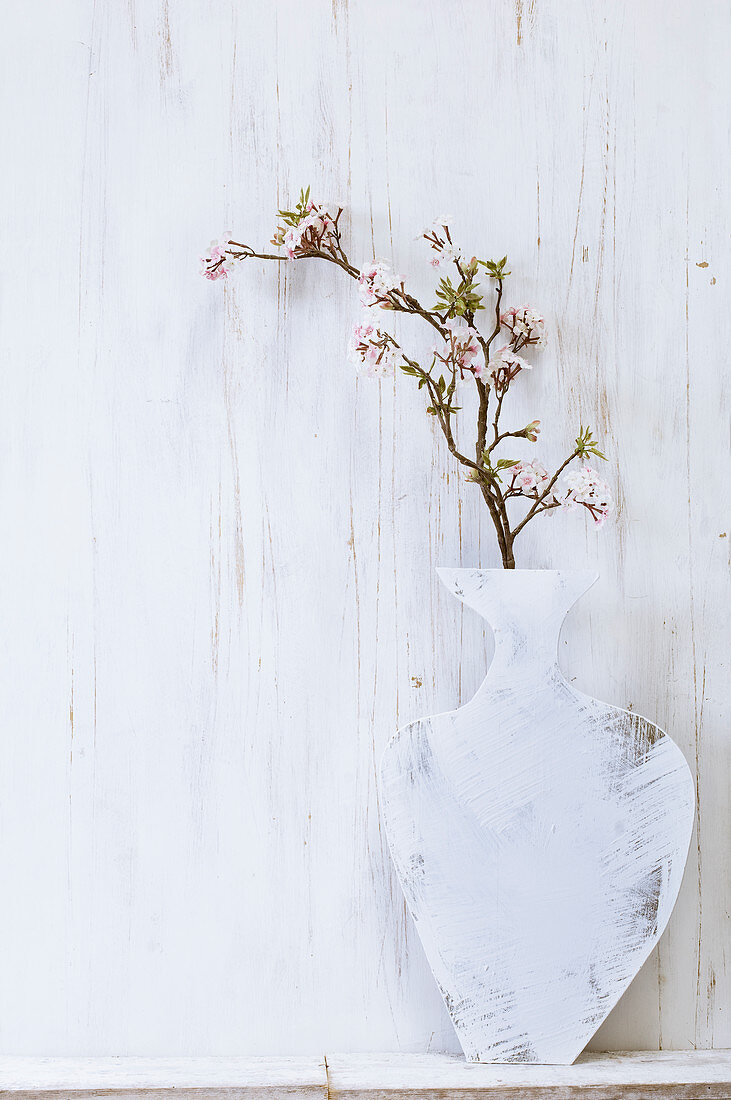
<point>327,246</point>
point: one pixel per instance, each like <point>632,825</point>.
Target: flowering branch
<point>310,231</point>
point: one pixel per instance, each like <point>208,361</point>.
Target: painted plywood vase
<point>539,835</point>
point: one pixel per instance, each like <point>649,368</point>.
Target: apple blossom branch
<point>462,354</point>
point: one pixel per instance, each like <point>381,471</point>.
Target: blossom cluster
<point>504,366</point>
<point>461,347</point>
<point>527,477</point>
<point>437,235</point>
<point>375,283</point>
<point>371,350</point>
<point>217,263</point>
<point>494,360</point>
<point>578,487</point>
<point>314,231</point>
<point>526,326</point>
<point>584,486</point>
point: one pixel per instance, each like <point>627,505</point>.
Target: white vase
<point>539,835</point>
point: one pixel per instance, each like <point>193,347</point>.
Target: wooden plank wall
<point>218,593</point>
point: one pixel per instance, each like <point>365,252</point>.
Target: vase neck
<point>524,607</point>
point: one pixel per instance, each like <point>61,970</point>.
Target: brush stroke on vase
<point>539,835</point>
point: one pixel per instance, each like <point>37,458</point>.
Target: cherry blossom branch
<point>310,232</point>
<point>532,511</point>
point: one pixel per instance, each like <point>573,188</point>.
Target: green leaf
<point>587,445</point>
<point>495,269</point>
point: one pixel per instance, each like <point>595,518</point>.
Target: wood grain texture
<point>157,1078</point>
<point>621,1076</point>
<point>685,1075</point>
<point>218,595</point>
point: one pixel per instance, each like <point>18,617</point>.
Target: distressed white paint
<point>620,1076</point>
<point>218,596</point>
<point>156,1078</point>
<point>539,835</point>
<point>685,1075</point>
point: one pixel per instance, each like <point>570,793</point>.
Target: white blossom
<point>309,232</point>
<point>376,281</point>
<point>584,486</point>
<point>216,264</point>
<point>371,350</point>
<point>461,346</point>
<point>504,365</point>
<point>529,477</point>
<point>526,325</point>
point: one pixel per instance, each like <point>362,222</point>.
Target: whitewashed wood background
<point>218,547</point>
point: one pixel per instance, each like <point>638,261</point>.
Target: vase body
<point>539,835</point>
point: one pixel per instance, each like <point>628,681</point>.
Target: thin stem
<point>498,323</point>
<point>414,307</point>
<point>505,548</point>
<point>506,435</point>
<point>536,507</point>
<point>484,399</point>
<point>489,490</point>
<point>249,254</point>
<point>400,301</point>
<point>483,389</point>
<point>443,421</point>
<point>498,410</point>
<point>509,536</point>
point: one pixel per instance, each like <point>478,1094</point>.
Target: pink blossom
<point>310,233</point>
<point>504,365</point>
<point>437,235</point>
<point>532,430</point>
<point>445,252</point>
<point>375,283</point>
<point>461,346</point>
<point>529,477</point>
<point>464,341</point>
<point>313,231</point>
<point>291,242</point>
<point>584,486</point>
<point>216,264</point>
<point>526,325</point>
<point>371,350</point>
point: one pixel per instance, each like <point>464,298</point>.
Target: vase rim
<point>452,570</point>
<point>501,594</point>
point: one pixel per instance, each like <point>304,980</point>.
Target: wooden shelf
<point>681,1075</point>
<point>636,1075</point>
